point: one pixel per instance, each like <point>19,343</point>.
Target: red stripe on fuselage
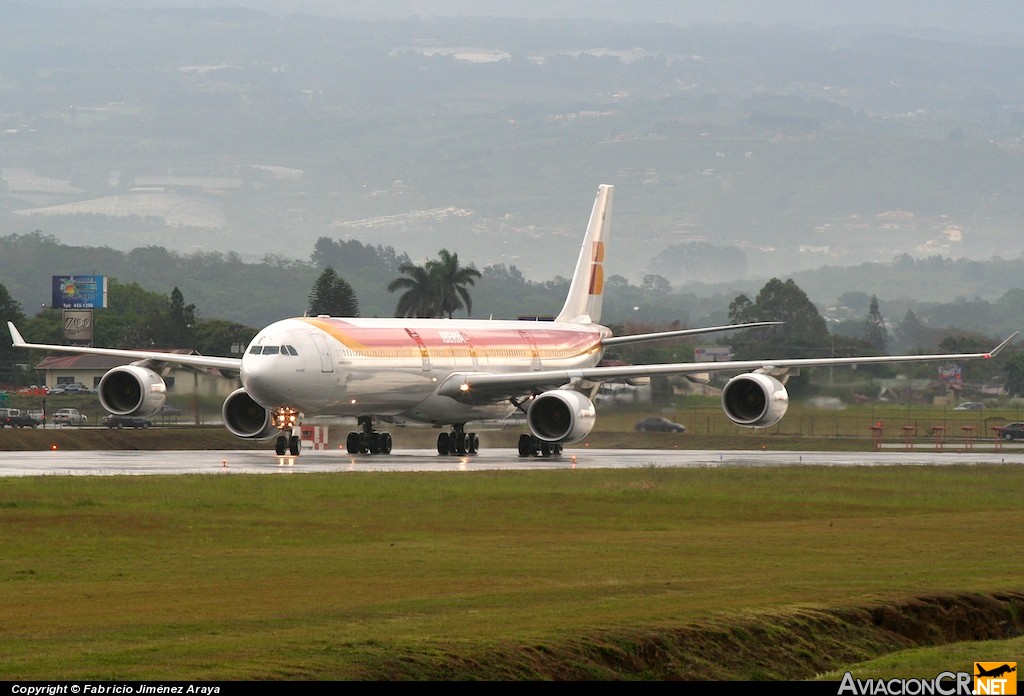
<point>481,340</point>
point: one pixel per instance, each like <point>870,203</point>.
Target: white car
<point>69,416</point>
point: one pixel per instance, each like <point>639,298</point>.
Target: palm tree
<point>450,280</point>
<point>419,296</point>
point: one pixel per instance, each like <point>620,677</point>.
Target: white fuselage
<point>393,367</point>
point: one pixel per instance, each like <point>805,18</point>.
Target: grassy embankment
<point>580,574</point>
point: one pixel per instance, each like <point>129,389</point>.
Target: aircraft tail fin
<point>586,291</point>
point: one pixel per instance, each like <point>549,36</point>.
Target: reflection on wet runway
<point>136,462</point>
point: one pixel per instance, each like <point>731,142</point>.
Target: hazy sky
<point>976,16</point>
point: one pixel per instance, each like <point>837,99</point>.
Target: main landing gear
<point>368,440</point>
<point>458,441</point>
<point>530,446</point>
<point>288,444</point>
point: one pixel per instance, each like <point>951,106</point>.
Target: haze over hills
<point>746,150</point>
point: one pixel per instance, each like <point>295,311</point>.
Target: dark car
<point>16,419</point>
<point>112,421</point>
<point>660,425</point>
<point>1012,431</point>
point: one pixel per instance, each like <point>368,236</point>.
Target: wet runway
<point>136,462</point>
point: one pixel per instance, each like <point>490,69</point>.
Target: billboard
<point>79,292</point>
<point>712,353</point>
<point>77,325</point>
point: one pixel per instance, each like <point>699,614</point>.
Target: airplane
<point>450,372</point>
<point>996,671</point>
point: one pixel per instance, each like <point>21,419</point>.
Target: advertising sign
<point>77,325</point>
<point>79,292</point>
<point>712,353</point>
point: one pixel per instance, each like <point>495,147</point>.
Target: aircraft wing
<point>156,356</point>
<point>638,338</point>
<point>482,386</point>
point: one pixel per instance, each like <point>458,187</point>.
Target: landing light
<point>464,387</point>
<point>285,418</point>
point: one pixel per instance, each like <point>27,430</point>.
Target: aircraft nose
<point>262,382</point>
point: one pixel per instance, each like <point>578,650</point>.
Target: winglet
<point>16,338</point>
<point>995,351</point>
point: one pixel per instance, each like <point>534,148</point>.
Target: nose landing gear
<point>288,444</point>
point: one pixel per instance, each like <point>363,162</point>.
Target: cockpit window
<point>271,350</point>
<point>256,350</point>
<point>291,350</point>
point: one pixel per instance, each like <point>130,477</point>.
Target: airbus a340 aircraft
<point>448,372</point>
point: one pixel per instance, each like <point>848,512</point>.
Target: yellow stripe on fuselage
<point>509,340</point>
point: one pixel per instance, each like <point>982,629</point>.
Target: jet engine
<point>132,390</point>
<point>243,417</point>
<point>561,416</point>
<point>755,400</point>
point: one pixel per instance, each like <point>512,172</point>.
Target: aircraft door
<point>534,353</point>
<point>326,362</point>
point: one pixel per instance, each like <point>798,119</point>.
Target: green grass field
<point>641,574</point>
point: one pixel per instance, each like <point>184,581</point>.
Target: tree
<point>332,295</point>
<point>451,280</point>
<point>874,328</point>
<point>181,319</point>
<point>10,310</point>
<point>1014,368</point>
<point>419,294</point>
<point>436,289</point>
<point>803,333</point>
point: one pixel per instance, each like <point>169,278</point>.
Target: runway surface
<point>136,462</point>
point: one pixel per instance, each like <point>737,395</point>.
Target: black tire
<point>525,445</point>
<point>444,443</point>
<point>294,445</point>
<point>352,443</point>
<point>280,445</point>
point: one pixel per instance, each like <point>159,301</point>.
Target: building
<point>89,370</point>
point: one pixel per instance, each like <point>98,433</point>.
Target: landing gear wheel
<point>472,444</point>
<point>385,443</point>
<point>525,445</point>
<point>294,445</point>
<point>352,443</point>
<point>281,445</point>
<point>444,443</point>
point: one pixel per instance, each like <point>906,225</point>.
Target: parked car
<point>38,414</point>
<point>168,410</point>
<point>69,416</point>
<point>76,388</point>
<point>1012,431</point>
<point>16,418</point>
<point>112,421</point>
<point>970,406</point>
<point>658,424</point>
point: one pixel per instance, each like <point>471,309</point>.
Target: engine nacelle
<point>132,390</point>
<point>755,400</point>
<point>561,416</point>
<point>243,417</point>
